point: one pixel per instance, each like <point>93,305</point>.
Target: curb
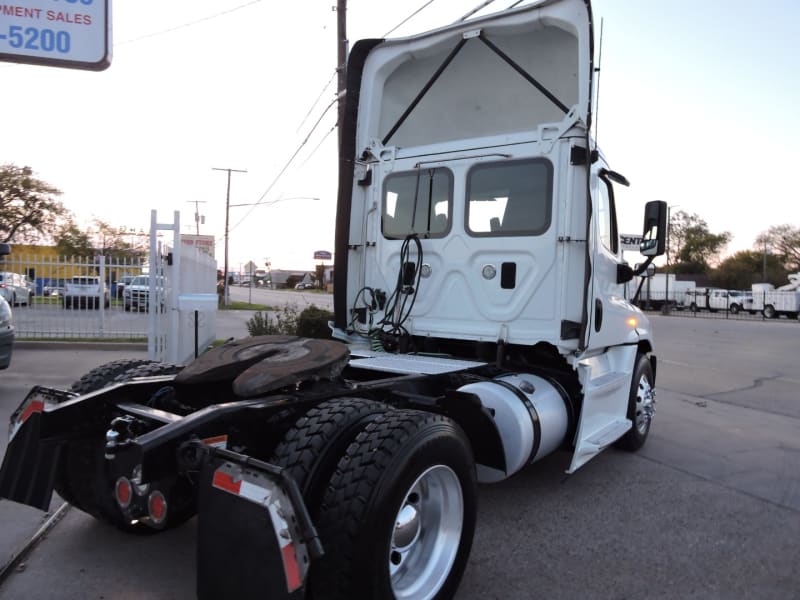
<point>51,345</point>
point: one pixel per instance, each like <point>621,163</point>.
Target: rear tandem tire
<point>311,449</point>
<point>399,512</point>
<point>82,480</point>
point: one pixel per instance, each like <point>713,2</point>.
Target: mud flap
<point>29,466</point>
<point>250,541</point>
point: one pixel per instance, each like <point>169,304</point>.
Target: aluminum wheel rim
<point>426,535</point>
<point>645,404</point>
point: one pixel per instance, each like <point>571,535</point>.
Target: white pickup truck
<point>85,291</point>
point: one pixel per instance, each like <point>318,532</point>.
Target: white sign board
<point>59,33</point>
<point>630,241</point>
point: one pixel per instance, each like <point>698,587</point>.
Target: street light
<point>228,206</point>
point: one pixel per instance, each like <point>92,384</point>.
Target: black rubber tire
<point>82,479</point>
<point>311,449</point>
<point>106,374</point>
<point>693,307</point>
<point>358,515</point>
<point>148,369</point>
<point>634,438</point>
<point>735,309</point>
<point>770,312</point>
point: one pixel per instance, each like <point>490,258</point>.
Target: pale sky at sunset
<point>698,106</point>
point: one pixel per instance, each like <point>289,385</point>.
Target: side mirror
<point>645,271</point>
<point>654,236</point>
<point>5,249</point>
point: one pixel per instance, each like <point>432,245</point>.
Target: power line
<point>187,24</point>
<point>314,105</point>
<point>314,151</point>
<point>408,18</point>
<point>474,10</point>
<point>285,167</point>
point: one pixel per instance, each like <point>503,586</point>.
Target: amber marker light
<point>633,322</point>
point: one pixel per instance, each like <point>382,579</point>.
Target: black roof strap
<point>525,74</point>
<point>424,90</point>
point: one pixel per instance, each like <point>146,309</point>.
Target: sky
<point>698,106</point>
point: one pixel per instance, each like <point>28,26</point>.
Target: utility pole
<point>196,213</point>
<point>341,64</point>
<point>226,300</point>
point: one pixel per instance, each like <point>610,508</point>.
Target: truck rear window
<point>418,202</point>
<point>509,198</point>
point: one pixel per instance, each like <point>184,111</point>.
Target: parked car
<point>739,300</point>
<point>30,284</point>
<point>122,283</point>
<point>54,287</point>
<point>14,289</point>
<point>6,334</point>
<point>304,285</point>
<point>85,290</point>
<point>137,293</point>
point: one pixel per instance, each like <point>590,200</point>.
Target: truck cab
<point>483,225</point>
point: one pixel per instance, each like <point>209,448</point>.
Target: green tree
<point>784,241</point>
<point>71,240</point>
<point>29,208</point>
<point>741,270</point>
<point>693,248</point>
<point>102,239</point>
<point>110,242</point>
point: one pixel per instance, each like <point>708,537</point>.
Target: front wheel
<point>400,511</point>
<point>641,405</point>
<point>769,311</point>
<point>735,309</point>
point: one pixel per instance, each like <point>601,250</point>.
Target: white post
<point>102,298</point>
<point>151,325</point>
<point>173,285</point>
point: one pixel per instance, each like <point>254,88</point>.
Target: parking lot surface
<point>709,508</point>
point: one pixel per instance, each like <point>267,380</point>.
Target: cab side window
<point>606,216</point>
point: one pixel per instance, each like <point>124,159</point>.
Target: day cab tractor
<point>480,324</point>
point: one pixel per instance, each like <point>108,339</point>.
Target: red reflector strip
<point>224,481</point>
<point>291,568</point>
<point>218,441</point>
<point>36,406</point>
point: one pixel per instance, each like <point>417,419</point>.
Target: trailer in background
<point>776,302</point>
<point>658,290</point>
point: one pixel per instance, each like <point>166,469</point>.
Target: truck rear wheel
<point>769,311</point>
<point>641,405</point>
<point>82,480</point>
<point>311,449</point>
<point>399,514</point>
<point>104,375</point>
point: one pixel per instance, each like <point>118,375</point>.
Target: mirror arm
<point>643,267</point>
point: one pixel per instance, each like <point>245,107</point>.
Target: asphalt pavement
<point>709,508</point>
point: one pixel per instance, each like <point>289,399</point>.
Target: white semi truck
<point>481,325</point>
